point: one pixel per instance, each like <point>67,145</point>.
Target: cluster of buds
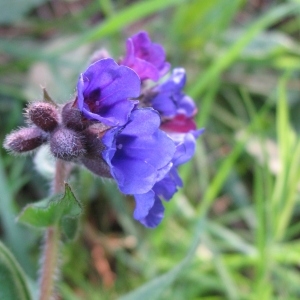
<point>70,136</point>
<point>118,126</point>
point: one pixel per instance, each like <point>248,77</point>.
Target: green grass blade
<point>227,58</point>
<point>13,284</point>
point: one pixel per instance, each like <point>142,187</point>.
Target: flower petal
<point>139,154</point>
<point>104,90</point>
<point>144,203</point>
<point>133,176</point>
<point>186,146</point>
<point>168,186</point>
<point>170,100</point>
<point>155,214</point>
<point>145,58</point>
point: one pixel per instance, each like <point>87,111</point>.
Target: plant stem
<point>50,260</point>
<point>50,255</point>
<point>62,170</point>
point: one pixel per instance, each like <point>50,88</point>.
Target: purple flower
<point>139,153</point>
<point>152,214</point>
<point>147,59</point>
<point>103,92</point>
<point>149,209</point>
<point>170,100</point>
<point>185,146</point>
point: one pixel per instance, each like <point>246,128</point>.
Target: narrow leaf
<point>13,284</point>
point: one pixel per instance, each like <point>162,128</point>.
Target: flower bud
<point>72,118</point>
<point>44,115</point>
<point>24,140</point>
<point>66,144</point>
<point>97,166</point>
<point>93,139</point>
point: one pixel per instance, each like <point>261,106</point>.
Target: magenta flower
<point>179,124</point>
<point>147,59</point>
<point>104,92</point>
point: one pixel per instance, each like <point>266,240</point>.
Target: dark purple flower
<point>104,90</point>
<point>147,59</point>
<point>149,209</point>
<point>170,100</point>
<point>139,153</point>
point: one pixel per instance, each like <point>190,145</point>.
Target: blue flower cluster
<point>145,140</point>
<point>121,127</point>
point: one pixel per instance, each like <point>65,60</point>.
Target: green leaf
<point>232,53</point>
<point>58,209</point>
<point>13,284</point>
<point>13,233</point>
<point>70,227</point>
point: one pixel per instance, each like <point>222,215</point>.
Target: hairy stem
<point>62,170</point>
<point>50,261</point>
<point>50,255</point>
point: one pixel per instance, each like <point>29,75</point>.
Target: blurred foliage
<point>232,231</point>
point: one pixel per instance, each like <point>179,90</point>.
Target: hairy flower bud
<point>97,166</point>
<point>72,118</point>
<point>43,115</point>
<point>24,140</point>
<point>93,159</point>
<point>93,139</point>
<point>66,144</point>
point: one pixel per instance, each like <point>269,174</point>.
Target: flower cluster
<point>118,127</point>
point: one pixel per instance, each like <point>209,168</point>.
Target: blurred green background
<point>233,231</point>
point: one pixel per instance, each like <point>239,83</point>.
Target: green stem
<point>50,255</point>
